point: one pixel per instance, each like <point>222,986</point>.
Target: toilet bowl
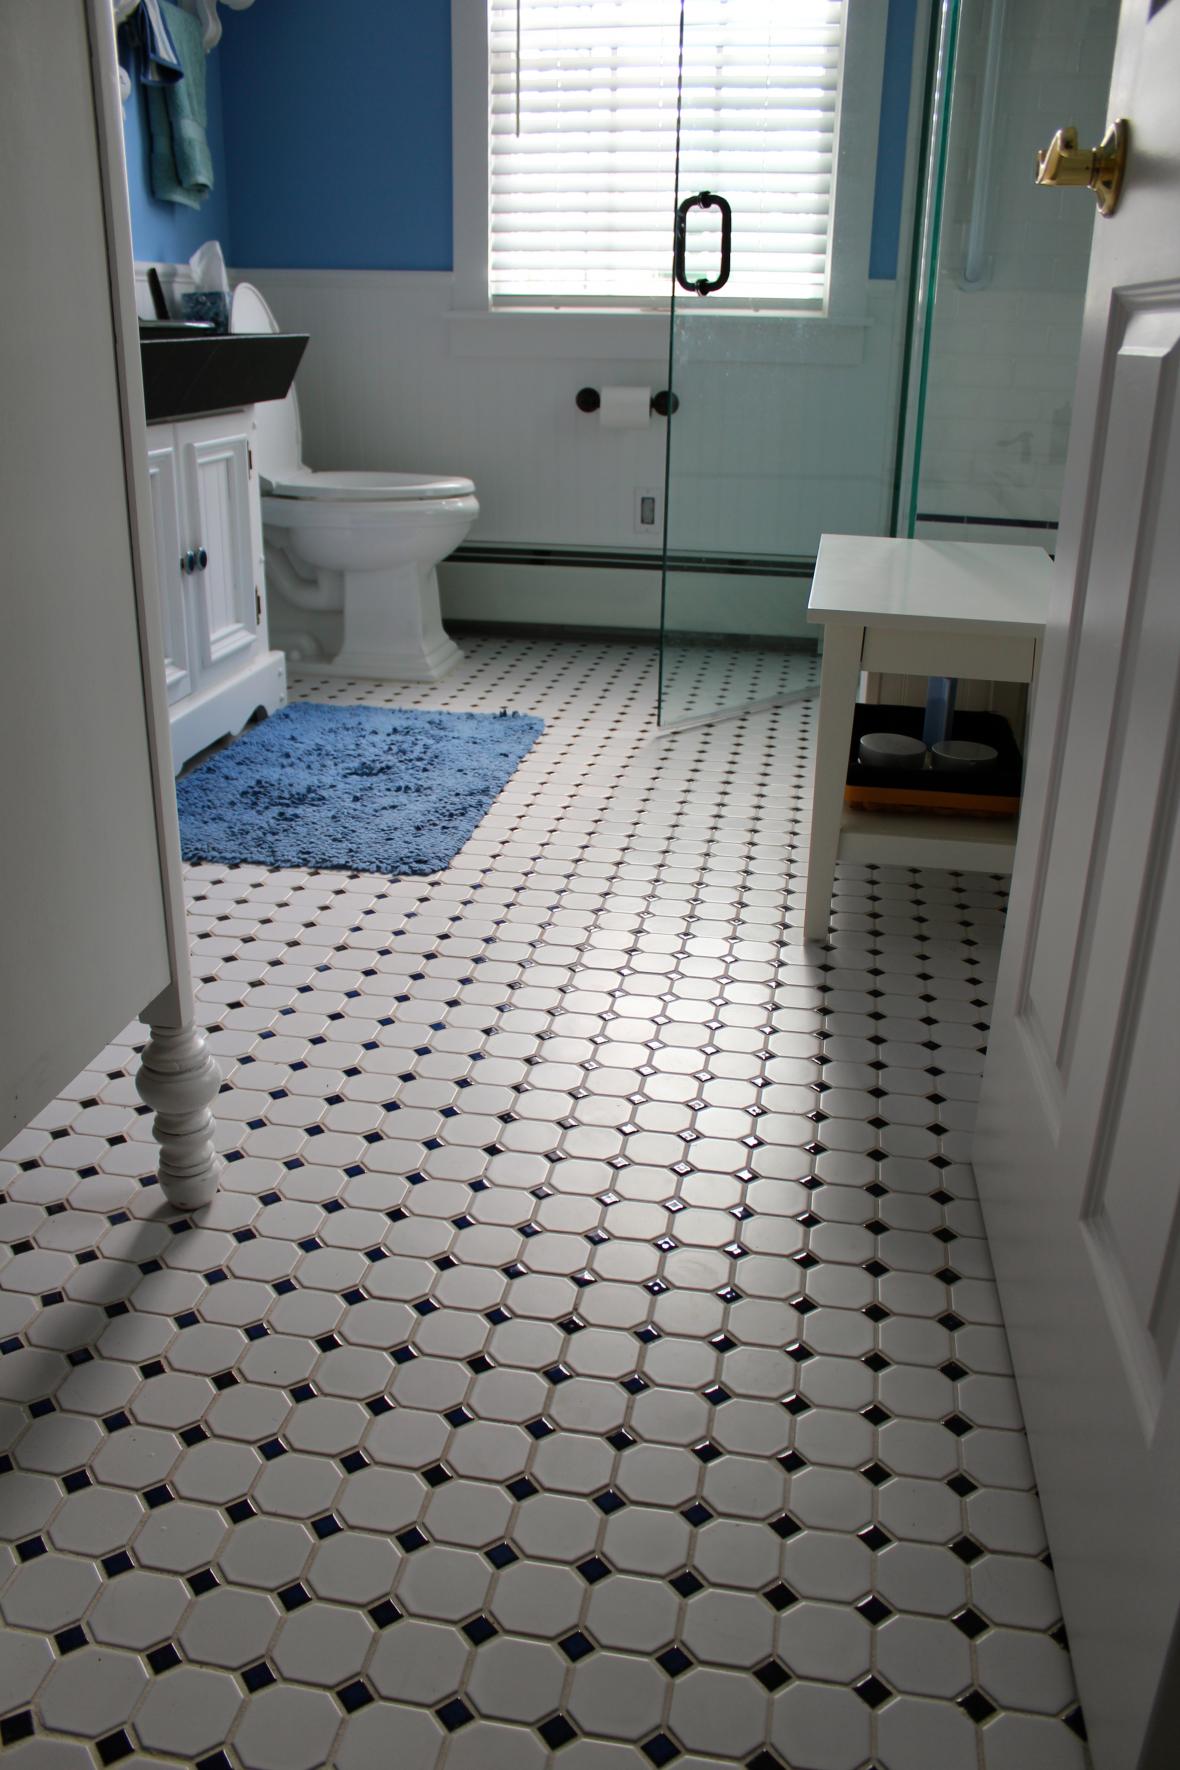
<point>351,558</point>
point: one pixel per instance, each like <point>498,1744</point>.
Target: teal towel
<point>181,164</point>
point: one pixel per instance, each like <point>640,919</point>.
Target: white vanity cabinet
<point>208,533</point>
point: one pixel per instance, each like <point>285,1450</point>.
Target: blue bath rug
<point>356,789</point>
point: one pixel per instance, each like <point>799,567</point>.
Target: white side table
<point>918,608</point>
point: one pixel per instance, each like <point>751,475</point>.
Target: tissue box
<point>206,304</point>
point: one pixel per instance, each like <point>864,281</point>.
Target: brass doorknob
<point>1100,169</point>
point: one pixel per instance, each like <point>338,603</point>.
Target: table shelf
<point>926,839</point>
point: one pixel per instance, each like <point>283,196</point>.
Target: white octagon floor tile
<point>592,1356</point>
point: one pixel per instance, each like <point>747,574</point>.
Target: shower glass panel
<point>999,330</point>
<point>785,365</point>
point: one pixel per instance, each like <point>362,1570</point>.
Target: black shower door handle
<point>702,285</point>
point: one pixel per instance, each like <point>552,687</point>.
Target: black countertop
<point>194,374</point>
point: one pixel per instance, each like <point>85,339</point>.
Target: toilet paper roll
<point>625,408</point>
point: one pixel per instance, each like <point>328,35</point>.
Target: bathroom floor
<point>592,1357</point>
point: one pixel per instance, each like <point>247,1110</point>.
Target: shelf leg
<point>837,698</point>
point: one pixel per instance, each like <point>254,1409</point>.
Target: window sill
<point>623,336</point>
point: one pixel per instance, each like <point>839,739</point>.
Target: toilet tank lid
<point>305,482</point>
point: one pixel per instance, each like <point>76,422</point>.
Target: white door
<point>217,462</point>
<point>171,573</point>
<point>1078,1142</point>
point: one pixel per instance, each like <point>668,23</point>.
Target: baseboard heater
<point>644,559</point>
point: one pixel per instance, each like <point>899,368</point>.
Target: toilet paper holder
<point>588,399</point>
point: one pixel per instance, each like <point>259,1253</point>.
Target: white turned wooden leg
<point>839,676</point>
<point>178,1078</point>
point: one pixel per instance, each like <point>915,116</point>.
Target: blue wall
<point>330,127</point>
<point>891,138</point>
<point>338,133</point>
<point>168,233</point>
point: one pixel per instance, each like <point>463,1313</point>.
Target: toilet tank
<point>278,439</point>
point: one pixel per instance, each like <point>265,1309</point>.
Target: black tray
<point>1002,779</point>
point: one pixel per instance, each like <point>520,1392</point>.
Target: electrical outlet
<point>649,510</point>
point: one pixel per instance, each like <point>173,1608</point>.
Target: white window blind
<point>582,156</point>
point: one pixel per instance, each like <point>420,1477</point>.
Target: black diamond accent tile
<point>14,1728</point>
<point>454,1714</point>
<point>967,1549</point>
<point>609,1501</point>
<point>872,1691</point>
<point>479,1630</point>
<point>522,1488</point>
<point>697,1514</point>
<point>620,1440</point>
<point>963,1486</point>
<point>502,1555</point>
<point>385,1613</point>
<point>1075,1720</point>
<point>876,1415</point>
<point>976,1704</point>
<point>202,1582</point>
<point>436,1475</point>
<point>411,1539</point>
<point>707,1452</point>
<point>294,1596</point>
<point>592,1569</point>
<point>969,1622</point>
<point>876,1473</point>
<point>874,1610</point>
<point>660,1749</point>
<point>556,1732</point>
<point>162,1659</point>
<point>674,1660</point>
<point>780,1596</point>
<point>114,1747</point>
<point>69,1640</point>
<point>786,1527</point>
<point>257,1677</point>
<point>576,1646</point>
<point>686,1583</point>
<point>772,1676</point>
<point>953,1371</point>
<point>356,1695</point>
<point>114,1565</point>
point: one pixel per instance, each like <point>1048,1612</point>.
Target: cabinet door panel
<point>219,522</point>
<point>164,480</point>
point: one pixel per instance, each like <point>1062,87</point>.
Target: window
<point>582,147</point>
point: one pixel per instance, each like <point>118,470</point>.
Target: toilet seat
<point>389,488</point>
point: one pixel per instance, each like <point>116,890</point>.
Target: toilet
<point>351,558</point>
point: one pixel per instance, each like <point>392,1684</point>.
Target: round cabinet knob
<point>202,559</point>
<point>190,561</point>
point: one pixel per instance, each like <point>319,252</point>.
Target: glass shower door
<point>755,158</point>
